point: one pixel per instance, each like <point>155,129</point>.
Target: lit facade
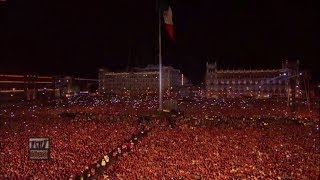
<point>283,82</point>
<point>139,81</point>
<point>27,87</point>
<point>71,86</point>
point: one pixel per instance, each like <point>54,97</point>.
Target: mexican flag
<point>167,17</point>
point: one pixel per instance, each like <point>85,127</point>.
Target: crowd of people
<point>279,151</point>
<point>75,142</point>
<point>211,139</point>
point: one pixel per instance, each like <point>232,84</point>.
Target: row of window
<point>133,77</point>
<point>250,82</point>
<point>130,80</point>
<point>132,88</point>
<point>249,89</point>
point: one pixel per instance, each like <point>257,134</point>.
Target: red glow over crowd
<point>210,139</point>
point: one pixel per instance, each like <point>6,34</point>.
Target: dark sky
<point>72,37</point>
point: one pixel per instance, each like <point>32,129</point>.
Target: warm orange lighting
<point>118,74</point>
<point>17,82</point>
<point>44,77</point>
<point>46,89</point>
<point>14,76</point>
<point>11,91</point>
<point>43,82</point>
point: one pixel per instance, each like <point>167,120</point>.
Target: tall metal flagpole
<point>160,58</point>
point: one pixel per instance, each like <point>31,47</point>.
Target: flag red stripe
<point>170,31</point>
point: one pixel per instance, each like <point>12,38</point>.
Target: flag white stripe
<point>167,16</point>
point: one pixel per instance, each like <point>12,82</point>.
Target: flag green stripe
<point>164,5</point>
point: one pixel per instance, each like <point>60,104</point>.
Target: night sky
<point>79,37</point>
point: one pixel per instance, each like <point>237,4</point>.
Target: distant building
<point>139,81</point>
<point>287,81</point>
<point>70,86</point>
<point>33,87</point>
<point>29,87</point>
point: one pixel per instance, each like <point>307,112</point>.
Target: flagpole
<point>160,59</point>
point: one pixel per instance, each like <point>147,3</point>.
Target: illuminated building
<point>286,81</point>
<point>71,86</point>
<point>139,80</point>
<point>29,87</point>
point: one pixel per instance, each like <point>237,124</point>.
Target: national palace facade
<point>139,80</point>
<point>287,81</point>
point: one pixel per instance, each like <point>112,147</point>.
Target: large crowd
<point>222,152</point>
<point>210,139</point>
